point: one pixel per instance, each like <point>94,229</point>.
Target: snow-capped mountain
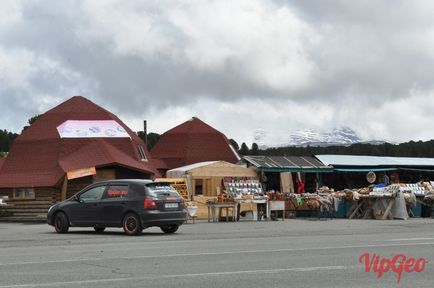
<point>340,136</point>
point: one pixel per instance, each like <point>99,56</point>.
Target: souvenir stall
<point>355,170</point>
<point>322,203</point>
<point>419,198</point>
<point>288,178</point>
<point>395,201</point>
<point>379,203</point>
<point>206,185</point>
<point>252,203</point>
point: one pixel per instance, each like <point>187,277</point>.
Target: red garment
<point>300,188</point>
<point>300,184</point>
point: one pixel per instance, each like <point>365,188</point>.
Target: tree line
<point>408,149</point>
<point>6,139</point>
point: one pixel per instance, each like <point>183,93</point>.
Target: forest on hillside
<point>408,149</point>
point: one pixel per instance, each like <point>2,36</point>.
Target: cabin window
<point>24,193</point>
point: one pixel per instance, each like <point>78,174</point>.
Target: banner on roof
<point>78,173</point>
<point>91,129</point>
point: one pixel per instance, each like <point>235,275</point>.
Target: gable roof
<point>191,142</point>
<point>40,158</point>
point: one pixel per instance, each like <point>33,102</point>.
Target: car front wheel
<point>131,224</point>
<point>61,223</point>
<point>169,229</point>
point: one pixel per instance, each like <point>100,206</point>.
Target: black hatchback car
<point>131,204</point>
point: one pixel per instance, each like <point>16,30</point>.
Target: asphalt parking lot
<point>290,253</point>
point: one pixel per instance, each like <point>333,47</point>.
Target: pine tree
<point>244,150</point>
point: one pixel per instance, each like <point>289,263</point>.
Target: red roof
<point>40,158</point>
<point>191,142</point>
<point>2,160</point>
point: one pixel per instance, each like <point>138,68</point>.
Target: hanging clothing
<point>300,184</point>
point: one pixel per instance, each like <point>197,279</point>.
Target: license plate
<point>171,205</point>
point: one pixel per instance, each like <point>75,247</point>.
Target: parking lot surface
<point>290,253</point>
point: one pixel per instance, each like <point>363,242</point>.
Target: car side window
<point>93,194</point>
<point>116,192</point>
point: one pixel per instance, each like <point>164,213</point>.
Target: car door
<point>114,202</point>
<point>86,212</point>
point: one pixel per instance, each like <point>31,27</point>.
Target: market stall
<point>288,174</point>
<point>207,180</point>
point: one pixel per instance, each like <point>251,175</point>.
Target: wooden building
<point>69,147</point>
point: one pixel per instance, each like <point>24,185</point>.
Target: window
<point>116,191</point>
<point>142,153</point>
<point>161,191</point>
<point>24,193</point>
<point>93,194</point>
<point>198,187</point>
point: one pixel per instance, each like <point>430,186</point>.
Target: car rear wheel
<point>169,229</point>
<point>132,224</point>
<point>61,223</point>
<point>99,229</point>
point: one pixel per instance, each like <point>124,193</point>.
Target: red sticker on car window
<point>117,193</point>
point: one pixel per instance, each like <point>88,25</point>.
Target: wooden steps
<point>27,210</point>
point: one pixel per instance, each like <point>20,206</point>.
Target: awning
<point>372,161</point>
<point>364,169</point>
<point>303,164</point>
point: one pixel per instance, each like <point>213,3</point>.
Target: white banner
<point>91,129</point>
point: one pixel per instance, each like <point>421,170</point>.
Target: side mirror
<point>76,198</point>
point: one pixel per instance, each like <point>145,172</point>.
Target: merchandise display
<point>416,188</point>
<point>244,189</point>
<point>377,201</point>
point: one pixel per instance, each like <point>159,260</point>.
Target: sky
<point>241,66</point>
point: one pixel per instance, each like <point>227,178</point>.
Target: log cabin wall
<point>75,185</point>
<point>30,209</point>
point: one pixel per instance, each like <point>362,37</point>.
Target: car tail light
<point>149,204</point>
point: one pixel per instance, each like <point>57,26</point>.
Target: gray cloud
<point>143,58</point>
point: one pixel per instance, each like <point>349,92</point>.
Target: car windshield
<point>161,190</point>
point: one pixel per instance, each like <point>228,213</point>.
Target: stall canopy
<point>211,169</point>
<point>303,164</point>
<point>356,163</point>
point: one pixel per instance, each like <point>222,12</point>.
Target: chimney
<point>145,133</point>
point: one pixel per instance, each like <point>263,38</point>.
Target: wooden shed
<point>206,178</point>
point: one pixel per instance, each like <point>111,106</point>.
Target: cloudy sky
<point>279,66</point>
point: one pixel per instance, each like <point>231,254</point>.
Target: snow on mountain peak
<point>338,136</point>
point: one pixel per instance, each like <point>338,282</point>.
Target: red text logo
<point>398,264</point>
